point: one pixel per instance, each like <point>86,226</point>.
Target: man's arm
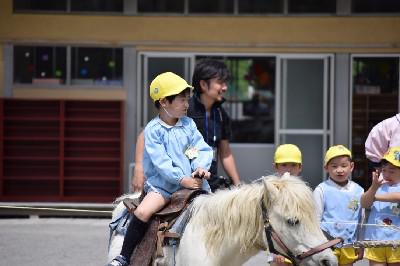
<point>228,161</point>
<point>138,173</point>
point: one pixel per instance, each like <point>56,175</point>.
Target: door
<point>304,109</point>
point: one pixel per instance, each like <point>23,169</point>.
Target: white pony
<point>228,227</point>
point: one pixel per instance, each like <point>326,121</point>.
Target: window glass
<point>171,6</point>
<point>302,93</point>
<point>312,6</point>
<point>375,98</point>
<point>376,75</point>
<point>251,98</point>
<point>97,5</point>
<point>96,66</point>
<point>210,6</point>
<point>260,6</point>
<point>40,5</point>
<point>376,6</point>
<point>39,65</point>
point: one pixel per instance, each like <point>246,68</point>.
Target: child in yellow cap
<point>287,158</point>
<point>338,203</point>
<point>174,153</point>
<point>383,198</point>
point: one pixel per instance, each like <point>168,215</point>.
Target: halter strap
<point>273,236</point>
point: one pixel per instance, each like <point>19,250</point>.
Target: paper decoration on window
<point>111,64</point>
<point>83,72</point>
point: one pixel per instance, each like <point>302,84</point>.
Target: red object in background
<point>61,150</point>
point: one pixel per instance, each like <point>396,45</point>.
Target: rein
<point>273,236</point>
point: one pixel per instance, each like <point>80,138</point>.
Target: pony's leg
<point>168,259</point>
<point>115,246</point>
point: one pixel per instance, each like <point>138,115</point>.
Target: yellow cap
<point>167,84</point>
<point>393,156</point>
<point>336,151</point>
<point>287,153</point>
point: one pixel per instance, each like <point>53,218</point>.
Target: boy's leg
<point>151,203</point>
<point>133,236</point>
<point>375,263</point>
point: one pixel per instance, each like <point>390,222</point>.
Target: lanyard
<point>214,128</point>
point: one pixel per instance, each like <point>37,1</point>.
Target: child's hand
<point>377,180</point>
<point>202,173</point>
<point>192,183</point>
<point>278,258</point>
<point>359,253</point>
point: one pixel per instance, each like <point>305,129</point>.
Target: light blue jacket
<point>165,162</point>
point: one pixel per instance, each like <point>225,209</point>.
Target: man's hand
<point>138,178</point>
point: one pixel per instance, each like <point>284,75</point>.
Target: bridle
<point>272,237</point>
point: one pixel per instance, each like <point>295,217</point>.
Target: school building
<point>74,79</point>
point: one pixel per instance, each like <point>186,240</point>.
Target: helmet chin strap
<point>168,114</point>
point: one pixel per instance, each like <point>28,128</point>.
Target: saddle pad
<point>143,253</point>
<point>179,200</point>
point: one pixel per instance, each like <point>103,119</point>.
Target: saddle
<point>159,225</point>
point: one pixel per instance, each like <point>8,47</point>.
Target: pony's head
<point>289,211</point>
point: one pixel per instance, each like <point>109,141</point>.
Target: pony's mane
<point>295,200</point>
<point>232,214</point>
<point>236,214</point>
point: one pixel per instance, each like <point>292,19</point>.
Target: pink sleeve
<point>377,142</point>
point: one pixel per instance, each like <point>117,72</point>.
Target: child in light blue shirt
<point>175,153</point>
<point>382,197</point>
<point>338,203</point>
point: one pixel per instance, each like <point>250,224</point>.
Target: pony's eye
<point>293,221</point>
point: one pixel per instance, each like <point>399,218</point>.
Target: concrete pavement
<point>63,242</point>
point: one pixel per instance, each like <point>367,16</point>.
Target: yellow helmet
<point>336,151</point>
<point>287,153</point>
<point>167,84</point>
<point>393,156</point>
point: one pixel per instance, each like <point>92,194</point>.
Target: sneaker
<point>119,261</point>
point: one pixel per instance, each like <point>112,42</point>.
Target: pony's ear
<point>271,190</point>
